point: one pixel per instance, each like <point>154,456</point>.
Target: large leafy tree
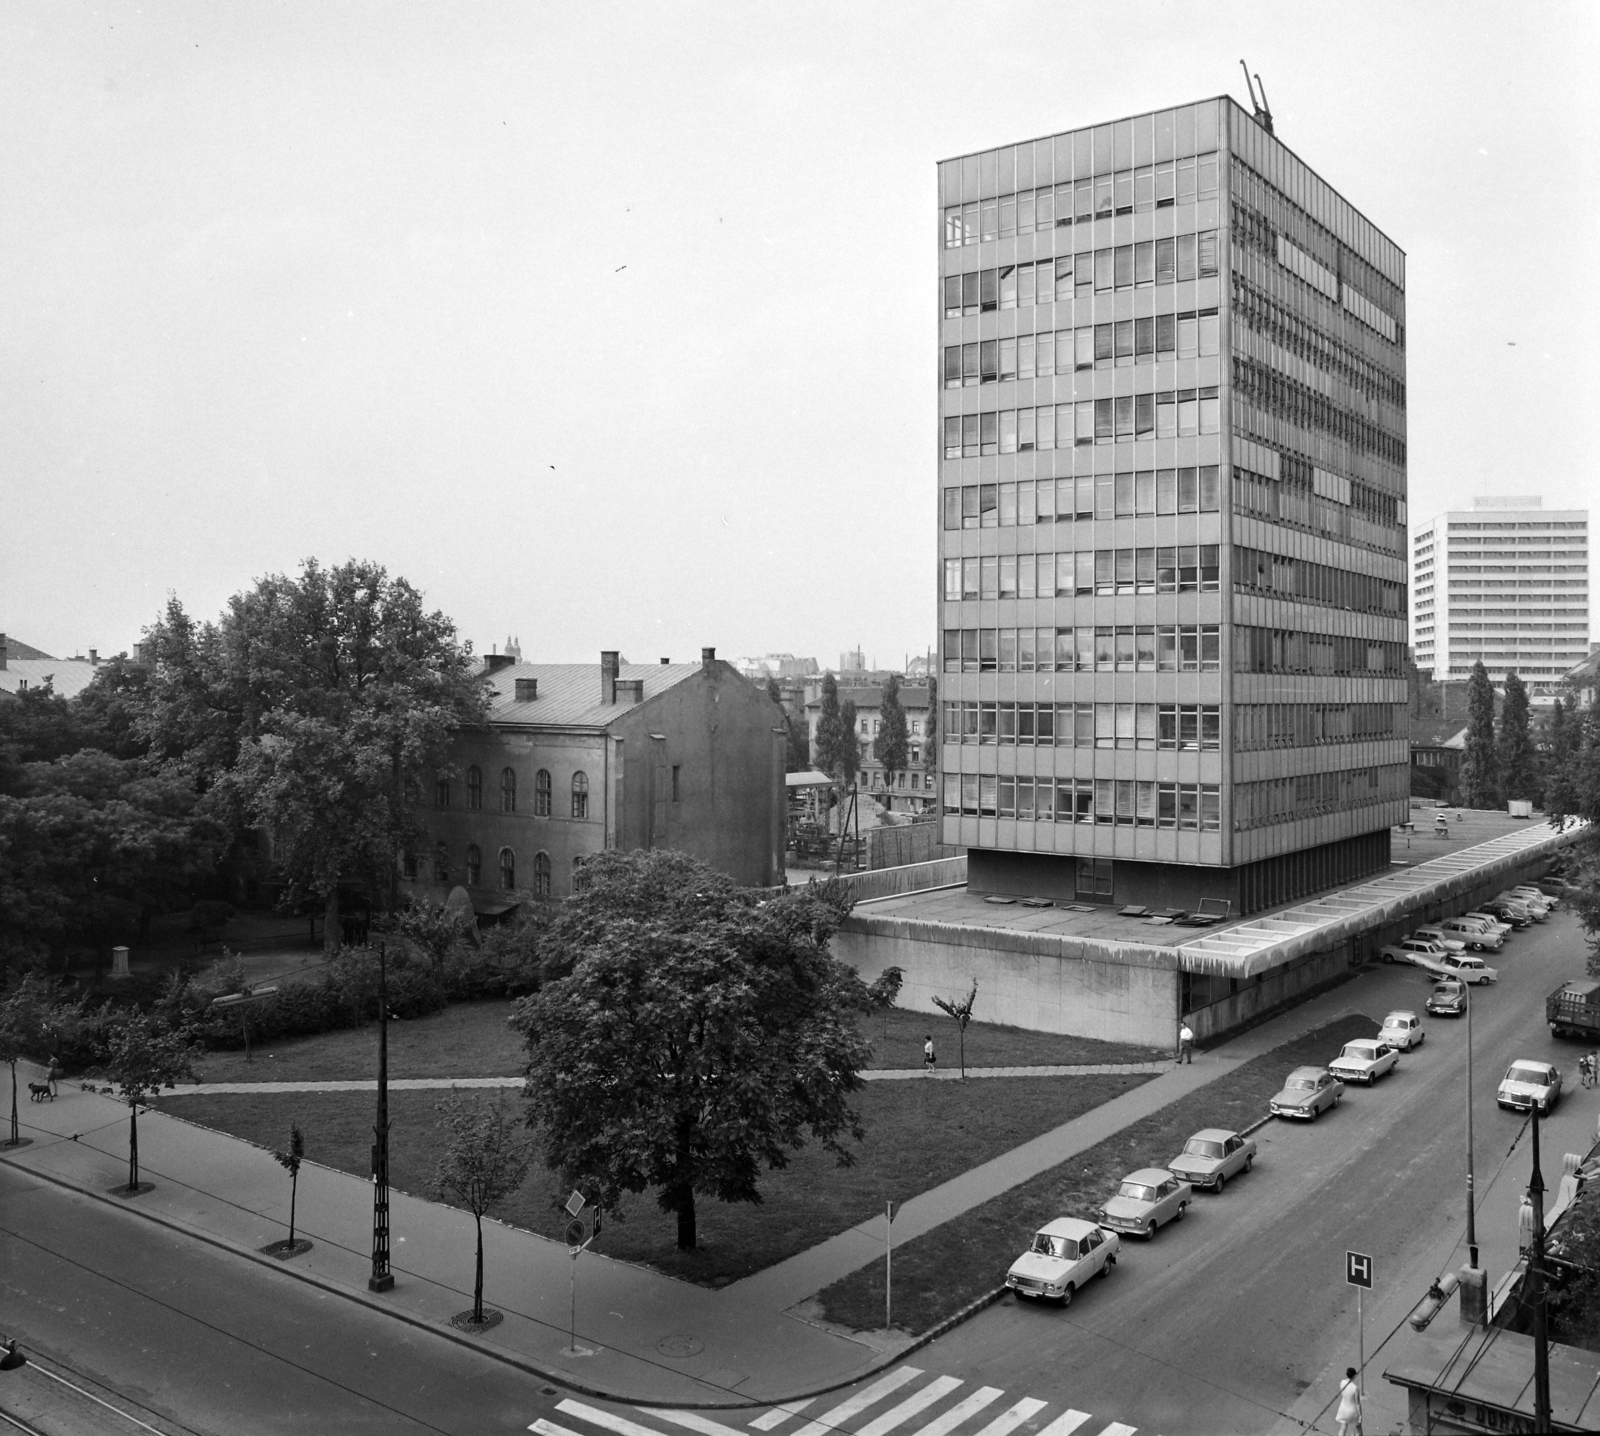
<point>1480,785</point>
<point>318,708</point>
<point>831,734</point>
<point>687,1037</point>
<point>890,746</point>
<point>1515,756</point>
<point>144,1053</point>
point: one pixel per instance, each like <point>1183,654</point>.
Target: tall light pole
<point>382,1278</point>
<point>1535,1283</point>
<point>1472,1229</point>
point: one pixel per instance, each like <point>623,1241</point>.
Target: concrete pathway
<point>640,1336</point>
<point>893,1074</point>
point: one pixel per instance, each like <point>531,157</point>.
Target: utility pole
<point>1536,1295</point>
<point>1472,1230</point>
<point>382,1278</point>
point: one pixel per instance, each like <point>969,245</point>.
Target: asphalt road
<point>198,1341</point>
<point>1237,1320</point>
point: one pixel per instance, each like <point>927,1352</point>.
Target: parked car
<point>1062,1256</point>
<point>1364,1060</point>
<point>1210,1157</point>
<point>1402,1030</point>
<point>1491,921</point>
<point>1539,911</point>
<point>1308,1093</point>
<point>1537,894</point>
<point>1530,1084</point>
<point>1427,955</point>
<point>1448,998</point>
<point>1511,912</point>
<point>1482,934</point>
<point>1440,938</point>
<point>1147,1199</point>
<point>1468,969</point>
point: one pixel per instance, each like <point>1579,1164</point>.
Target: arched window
<point>508,869</point>
<point>474,863</point>
<point>541,793</point>
<point>541,875</point>
<point>441,863</point>
<point>580,879</point>
<point>441,793</point>
<point>580,795</point>
<point>474,787</point>
<point>508,790</point>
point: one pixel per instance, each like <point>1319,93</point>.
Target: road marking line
<point>692,1420</point>
<point>860,1401</point>
<point>1067,1422</point>
<point>779,1414</point>
<point>958,1413</point>
<point>1116,1428</point>
<point>921,1401</point>
<point>1008,1421</point>
<point>620,1424</point>
<point>549,1428</point>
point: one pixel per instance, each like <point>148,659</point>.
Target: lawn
<point>919,1134</point>
<point>472,1040</point>
<point>939,1273</point>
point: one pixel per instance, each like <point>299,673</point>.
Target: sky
<point>615,325</point>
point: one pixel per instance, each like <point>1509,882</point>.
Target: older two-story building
<point>579,758</point>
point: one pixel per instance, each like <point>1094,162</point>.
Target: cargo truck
<point>1573,1009</point>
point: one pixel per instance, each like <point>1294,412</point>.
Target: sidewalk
<point>641,1337</point>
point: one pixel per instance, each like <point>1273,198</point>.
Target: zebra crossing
<point>906,1395</point>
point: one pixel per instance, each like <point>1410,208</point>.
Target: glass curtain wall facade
<point>1506,581</point>
<point>1172,552</point>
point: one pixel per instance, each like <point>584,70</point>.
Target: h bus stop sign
<point>1358,1270</point>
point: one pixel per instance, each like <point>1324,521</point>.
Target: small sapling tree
<point>290,1159</point>
<point>142,1054</point>
<point>962,1012</point>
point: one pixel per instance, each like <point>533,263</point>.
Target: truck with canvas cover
<point>1573,1009</point>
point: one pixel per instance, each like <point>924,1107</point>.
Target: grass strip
<point>919,1134</point>
<point>939,1272</point>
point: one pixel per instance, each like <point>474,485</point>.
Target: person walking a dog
<point>53,1075</point>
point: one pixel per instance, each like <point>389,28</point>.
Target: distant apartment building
<point>1171,508</point>
<point>911,789</point>
<point>1507,582</point>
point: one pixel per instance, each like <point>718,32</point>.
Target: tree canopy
<point>831,735</point>
<point>891,747</point>
<point>1515,755</point>
<point>1480,784</point>
<point>318,708</point>
<point>687,1036</point>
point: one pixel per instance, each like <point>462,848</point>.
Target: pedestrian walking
<point>1349,1413</point>
<point>1594,1069</point>
<point>1584,1070</point>
<point>53,1074</point>
<point>1185,1043</point>
<point>928,1059</point>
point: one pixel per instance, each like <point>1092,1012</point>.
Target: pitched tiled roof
<point>1438,733</point>
<point>569,693</point>
<point>18,649</point>
<point>1586,671</point>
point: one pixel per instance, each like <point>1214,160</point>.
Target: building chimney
<point>665,662</point>
<point>527,690</point>
<point>4,651</point>
<point>494,662</point>
<point>708,656</point>
<point>94,655</point>
<point>610,665</point>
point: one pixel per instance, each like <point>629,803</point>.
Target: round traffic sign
<point>576,1232</point>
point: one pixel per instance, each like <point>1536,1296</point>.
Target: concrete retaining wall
<point>1046,983</point>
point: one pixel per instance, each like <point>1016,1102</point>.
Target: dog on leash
<point>38,1091</point>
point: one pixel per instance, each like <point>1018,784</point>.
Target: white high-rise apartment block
<point>1506,581</point>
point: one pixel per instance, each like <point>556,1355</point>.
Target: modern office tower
<point>1506,581</point>
<point>1172,559</point>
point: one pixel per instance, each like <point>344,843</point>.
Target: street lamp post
<point>1472,1229</point>
<point>1536,1295</point>
<point>382,1278</point>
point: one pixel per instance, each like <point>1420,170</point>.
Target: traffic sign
<point>574,1204</point>
<point>577,1234</point>
<point>1358,1270</point>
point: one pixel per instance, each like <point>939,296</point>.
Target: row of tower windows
<point>542,792</point>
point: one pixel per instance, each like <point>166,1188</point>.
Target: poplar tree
<point>830,729</point>
<point>1518,778</point>
<point>890,746</point>
<point>1479,779</point>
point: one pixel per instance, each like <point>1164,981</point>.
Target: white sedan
<point>1468,969</point>
<point>1402,1030</point>
<point>1419,952</point>
<point>1365,1060</point>
<point>1530,1084</point>
<point>1063,1255</point>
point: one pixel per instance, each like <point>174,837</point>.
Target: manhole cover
<point>680,1346</point>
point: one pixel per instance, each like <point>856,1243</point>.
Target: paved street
<point>1240,1317</point>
